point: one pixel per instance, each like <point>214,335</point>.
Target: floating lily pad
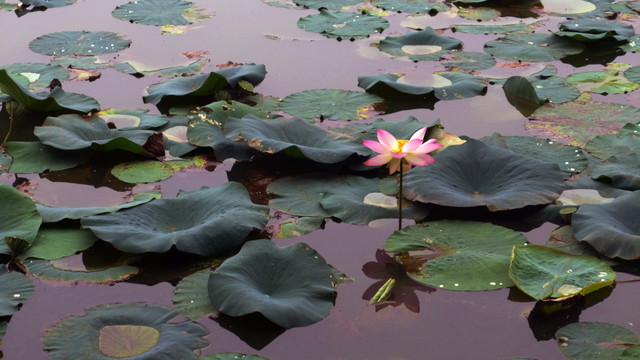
<point>605,341</point>
<point>466,60</point>
<point>611,228</point>
<point>595,29</point>
<point>295,137</point>
<point>424,45</point>
<point>84,43</point>
<point>232,356</point>
<point>40,75</point>
<point>411,6</point>
<point>621,170</point>
<point>456,255</point>
<point>142,171</point>
<point>46,270</point>
<point>329,104</point>
<point>343,25</point>
<point>608,81</point>
<point>464,177</point>
<point>633,74</point>
<point>578,9</point>
<point>155,12</point>
<point>479,13</point>
<point>207,222</point>
<point>80,62</point>
<point>125,331</point>
<point>327,4</point>
<point>488,28</point>
<point>55,243</point>
<point>191,297</point>
<point>537,89</point>
<point>34,157</point>
<point>20,218</point>
<point>16,289</point>
<point>533,47</point>
<point>139,69</point>
<point>542,272</point>
<point>608,145</point>
<point>50,215</point>
<point>291,286</point>
<point>298,226</point>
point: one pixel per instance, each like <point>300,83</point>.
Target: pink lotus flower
<point>412,152</point>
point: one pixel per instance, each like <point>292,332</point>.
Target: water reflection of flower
<point>403,291</point>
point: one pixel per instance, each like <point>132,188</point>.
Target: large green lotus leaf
<point>16,289</point>
<point>612,228</point>
<point>146,171</point>
<point>608,81</point>
<point>154,12</point>
<point>343,25</point>
<point>633,74</point>
<point>577,122</point>
<point>533,47</point>
<point>501,27</point>
<point>139,331</point>
<point>74,132</point>
<point>20,219</point>
<point>424,45</point>
<point>532,91</point>
<point>83,43</point>
<point>327,4</point>
<point>579,9</point>
<point>331,104</point>
<point>80,62</point>
<point>411,6</point>
<point>51,215</point>
<point>622,170</point>
<point>39,75</point>
<point>594,340</point>
<point>204,85</point>
<point>595,29</point>
<point>468,61</point>
<point>191,296</point>
<point>542,272</point>
<point>570,159</point>
<point>48,3</point>
<point>295,137</point>
<point>139,69</point>
<point>133,119</point>
<point>60,271</point>
<point>453,85</point>
<point>475,174</point>
<point>56,100</point>
<point>301,195</point>
<point>292,286</point>
<point>207,222</point>
<point>401,129</point>
<point>608,145</point>
<point>232,356</point>
<point>35,157</point>
<point>456,255</point>
<point>55,243</point>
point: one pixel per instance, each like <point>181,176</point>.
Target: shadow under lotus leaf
<point>207,222</point>
<point>475,174</point>
<point>612,228</point>
<point>292,286</point>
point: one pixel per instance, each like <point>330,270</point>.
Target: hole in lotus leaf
<point>421,49</point>
<point>381,200</point>
<point>122,341</point>
<point>568,6</point>
<point>421,79</point>
<point>121,120</point>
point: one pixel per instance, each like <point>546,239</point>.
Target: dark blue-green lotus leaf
<point>16,289</point>
<point>605,341</point>
<point>295,137</point>
<point>386,85</point>
<point>608,145</point>
<point>20,219</point>
<point>83,43</point>
<point>343,25</point>
<point>612,228</point>
<point>595,29</point>
<point>207,222</point>
<point>233,356</point>
<point>55,214</point>
<point>59,271</point>
<point>467,60</point>
<point>411,6</point>
<point>591,9</point>
<point>541,87</point>
<point>291,286</point>
<point>533,47</point>
<point>622,170</point>
<point>423,45</point>
<point>56,243</point>
<point>475,174</point>
<point>204,85</point>
<point>135,331</point>
<point>516,27</point>
<point>56,100</point>
<point>633,74</point>
<point>332,104</point>
<point>41,75</point>
<point>34,157</point>
<point>49,3</point>
<point>154,12</point>
<point>326,4</point>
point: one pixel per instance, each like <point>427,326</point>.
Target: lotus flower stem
<point>400,200</point>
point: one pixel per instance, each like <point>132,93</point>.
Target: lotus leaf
<point>532,91</point>
<point>140,331</point>
<point>83,62</point>
<point>207,222</point>
<point>605,341</point>
<point>35,157</point>
<point>294,137</point>
<point>632,45</point>
<point>401,129</point>
<point>543,272</point>
<point>56,100</point>
<point>41,75</point>
<point>16,289</point>
<point>468,61</point>
<point>609,81</point>
<point>332,104</point>
<point>51,215</point>
<point>630,353</point>
<point>608,145</point>
<point>55,243</point>
<point>579,9</point>
<point>486,28</point>
<point>291,286</point>
<point>475,174</point>
<point>343,25</point>
<point>154,12</point>
<point>611,228</point>
<point>298,226</point>
<point>456,255</point>
<point>139,69</point>
<point>327,4</point>
<point>46,270</point>
<point>533,47</point>
<point>622,170</point>
<point>301,195</point>
<point>191,297</point>
<point>411,6</point>
<point>83,43</point>
<point>232,356</point>
<point>595,29</point>
<point>424,45</point>
<point>480,13</point>
<point>48,3</point>
<point>633,74</point>
<point>20,218</point>
<point>142,171</point>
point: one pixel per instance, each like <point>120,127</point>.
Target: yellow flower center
<point>399,144</point>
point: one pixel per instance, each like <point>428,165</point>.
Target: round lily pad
<point>155,12</point>
<point>343,25</point>
<point>83,43</point>
<point>423,45</point>
<point>142,171</point>
<point>633,74</point>
<point>20,219</point>
<point>40,75</point>
<point>291,286</point>
<point>608,81</point>
<point>16,289</point>
<point>327,4</point>
<point>411,6</point>
<point>469,61</point>
<point>207,222</point>
<point>606,341</point>
<point>533,47</point>
<point>329,104</point>
<point>49,3</point>
<point>475,174</point>
<point>595,29</point>
<point>612,228</point>
<point>139,331</point>
<point>456,255</point>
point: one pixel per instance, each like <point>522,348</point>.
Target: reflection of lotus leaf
<point>475,174</point>
<point>137,331</point>
<point>612,228</point>
<point>291,286</point>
